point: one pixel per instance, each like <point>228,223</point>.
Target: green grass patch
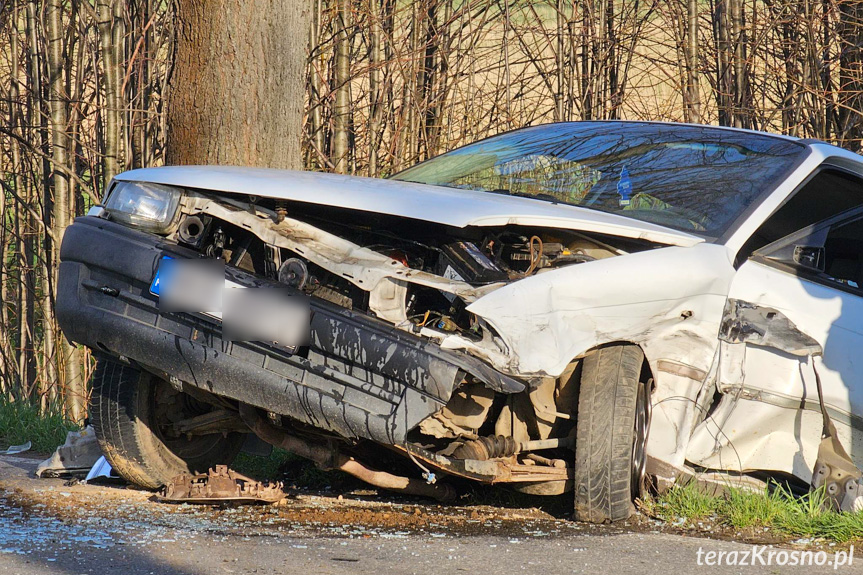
<point>776,509</point>
<point>293,470</point>
<point>263,468</point>
<point>21,421</point>
<point>686,502</point>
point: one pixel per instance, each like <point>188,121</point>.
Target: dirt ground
<point>48,526</point>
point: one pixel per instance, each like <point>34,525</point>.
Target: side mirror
<point>811,257</point>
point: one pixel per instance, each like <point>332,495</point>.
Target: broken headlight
<point>150,207</point>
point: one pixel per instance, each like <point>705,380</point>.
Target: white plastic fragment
<point>14,449</point>
<point>101,469</point>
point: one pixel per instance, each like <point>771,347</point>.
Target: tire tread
<point>604,433</point>
<point>120,421</point>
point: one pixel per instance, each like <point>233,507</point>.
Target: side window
<point>829,192</point>
<point>843,252</point>
<point>830,252</point>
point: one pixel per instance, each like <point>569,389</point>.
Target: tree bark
<point>692,97</point>
<point>63,207</point>
<point>849,129</point>
<point>724,73</point>
<point>316,104</point>
<point>236,94</point>
<point>429,80</point>
<point>341,89</point>
<point>105,10</point>
<point>376,60</point>
<point>38,119</point>
<point>7,367</point>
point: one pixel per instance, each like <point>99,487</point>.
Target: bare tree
<point>342,89</point>
<point>109,32</point>
<point>363,87</point>
<point>63,203</point>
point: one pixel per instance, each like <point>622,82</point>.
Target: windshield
<point>692,178</point>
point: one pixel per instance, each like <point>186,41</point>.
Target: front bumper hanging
<point>360,377</point>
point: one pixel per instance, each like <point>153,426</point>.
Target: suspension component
<point>486,448</point>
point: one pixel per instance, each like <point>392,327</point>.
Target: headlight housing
<point>150,207</point>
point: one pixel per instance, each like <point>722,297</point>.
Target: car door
<point>768,414</point>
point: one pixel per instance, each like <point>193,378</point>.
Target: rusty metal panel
<point>219,485</point>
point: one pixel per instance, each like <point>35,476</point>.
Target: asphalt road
<point>47,527</point>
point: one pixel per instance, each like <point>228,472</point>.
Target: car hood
<point>449,206</point>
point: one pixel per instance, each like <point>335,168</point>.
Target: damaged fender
<point>667,300</point>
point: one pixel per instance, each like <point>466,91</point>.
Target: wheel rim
<point>643,410</point>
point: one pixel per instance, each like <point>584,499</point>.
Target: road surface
<point>48,527</point>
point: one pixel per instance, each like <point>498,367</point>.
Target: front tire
<point>129,411</point>
<point>610,434</point>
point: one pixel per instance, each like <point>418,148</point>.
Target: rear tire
<point>610,436</point>
<point>128,408</point>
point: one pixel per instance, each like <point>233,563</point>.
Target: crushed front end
<point>394,355</point>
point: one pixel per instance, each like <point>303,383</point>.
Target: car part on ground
<point>102,471</point>
<point>15,449</point>
<point>219,485</point>
<point>75,457</point>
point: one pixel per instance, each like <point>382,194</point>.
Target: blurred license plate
<point>156,284</point>
<point>277,316</point>
<point>188,285</point>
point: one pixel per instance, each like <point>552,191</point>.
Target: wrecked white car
<point>520,311</point>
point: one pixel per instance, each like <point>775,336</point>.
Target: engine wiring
<point>535,254</point>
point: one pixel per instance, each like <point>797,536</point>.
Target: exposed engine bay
<point>432,271</point>
<point>483,419</point>
<point>419,276</point>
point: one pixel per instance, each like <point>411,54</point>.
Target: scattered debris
<point>15,449</point>
<point>663,476</point>
<point>75,457</point>
<point>101,469</point>
<point>220,485</point>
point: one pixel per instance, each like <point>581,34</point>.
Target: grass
<point>776,509</point>
<point>261,468</point>
<point>21,421</point>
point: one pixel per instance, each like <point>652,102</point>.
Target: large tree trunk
<point>236,95</point>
